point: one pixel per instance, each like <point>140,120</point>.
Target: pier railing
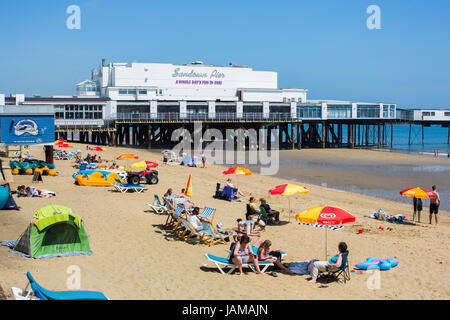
<point>218,116</point>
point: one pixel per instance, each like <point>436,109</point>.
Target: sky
<point>324,46</point>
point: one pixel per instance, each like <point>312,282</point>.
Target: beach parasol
<point>325,217</point>
<point>144,165</point>
<point>418,193</point>
<point>127,156</point>
<point>238,171</point>
<point>60,141</point>
<point>66,145</point>
<point>287,190</point>
<point>97,149</point>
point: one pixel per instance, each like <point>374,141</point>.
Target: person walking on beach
<point>417,203</point>
<point>434,204</point>
<point>204,160</point>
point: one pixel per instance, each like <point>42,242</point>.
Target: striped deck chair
<point>172,221</point>
<point>224,262</point>
<point>211,235</point>
<point>188,232</point>
<point>207,213</point>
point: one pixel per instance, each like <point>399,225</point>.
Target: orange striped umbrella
<point>418,193</point>
<point>127,156</point>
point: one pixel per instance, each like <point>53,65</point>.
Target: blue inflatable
<point>374,263</point>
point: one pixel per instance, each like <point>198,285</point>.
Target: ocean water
<point>435,138</point>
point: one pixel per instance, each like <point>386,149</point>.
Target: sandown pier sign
<point>215,74</point>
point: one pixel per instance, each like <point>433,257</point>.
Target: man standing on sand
<point>417,202</point>
<point>434,204</point>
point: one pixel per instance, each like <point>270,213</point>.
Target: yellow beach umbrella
<point>288,190</point>
<point>139,165</point>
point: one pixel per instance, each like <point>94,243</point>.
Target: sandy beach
<point>134,258</point>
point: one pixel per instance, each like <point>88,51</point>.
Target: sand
<point>134,258</point>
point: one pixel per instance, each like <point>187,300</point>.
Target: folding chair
<point>342,273</point>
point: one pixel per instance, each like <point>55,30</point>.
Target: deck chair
<point>121,187</point>
<point>45,294</point>
<point>207,213</point>
<point>188,232</point>
<point>173,219</point>
<point>157,206</point>
<point>224,262</point>
<point>211,235</point>
<point>341,274</point>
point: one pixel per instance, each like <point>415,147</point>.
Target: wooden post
<point>409,136</point>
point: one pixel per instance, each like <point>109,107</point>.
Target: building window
<point>131,91</point>
<point>428,114</point>
<point>122,91</point>
<point>447,114</point>
<point>142,91</point>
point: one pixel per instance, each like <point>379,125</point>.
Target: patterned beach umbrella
<point>418,193</point>
<point>60,141</point>
<point>66,145</point>
<point>97,149</point>
<point>325,217</point>
<point>287,190</point>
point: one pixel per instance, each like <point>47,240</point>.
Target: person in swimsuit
<point>417,203</point>
<point>243,254</point>
<point>434,204</point>
<point>264,254</point>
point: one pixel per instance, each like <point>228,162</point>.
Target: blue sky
<point>321,45</point>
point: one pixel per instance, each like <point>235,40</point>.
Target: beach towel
<point>300,267</point>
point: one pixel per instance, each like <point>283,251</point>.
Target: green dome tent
<point>55,231</point>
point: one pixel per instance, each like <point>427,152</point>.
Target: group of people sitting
<point>93,159</point>
<point>241,251</point>
<point>271,215</point>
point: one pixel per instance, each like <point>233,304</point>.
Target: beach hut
<point>55,231</point>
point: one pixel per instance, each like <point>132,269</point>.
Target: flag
<point>188,189</point>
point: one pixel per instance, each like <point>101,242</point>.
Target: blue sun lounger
<point>45,294</point>
<point>220,261</point>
